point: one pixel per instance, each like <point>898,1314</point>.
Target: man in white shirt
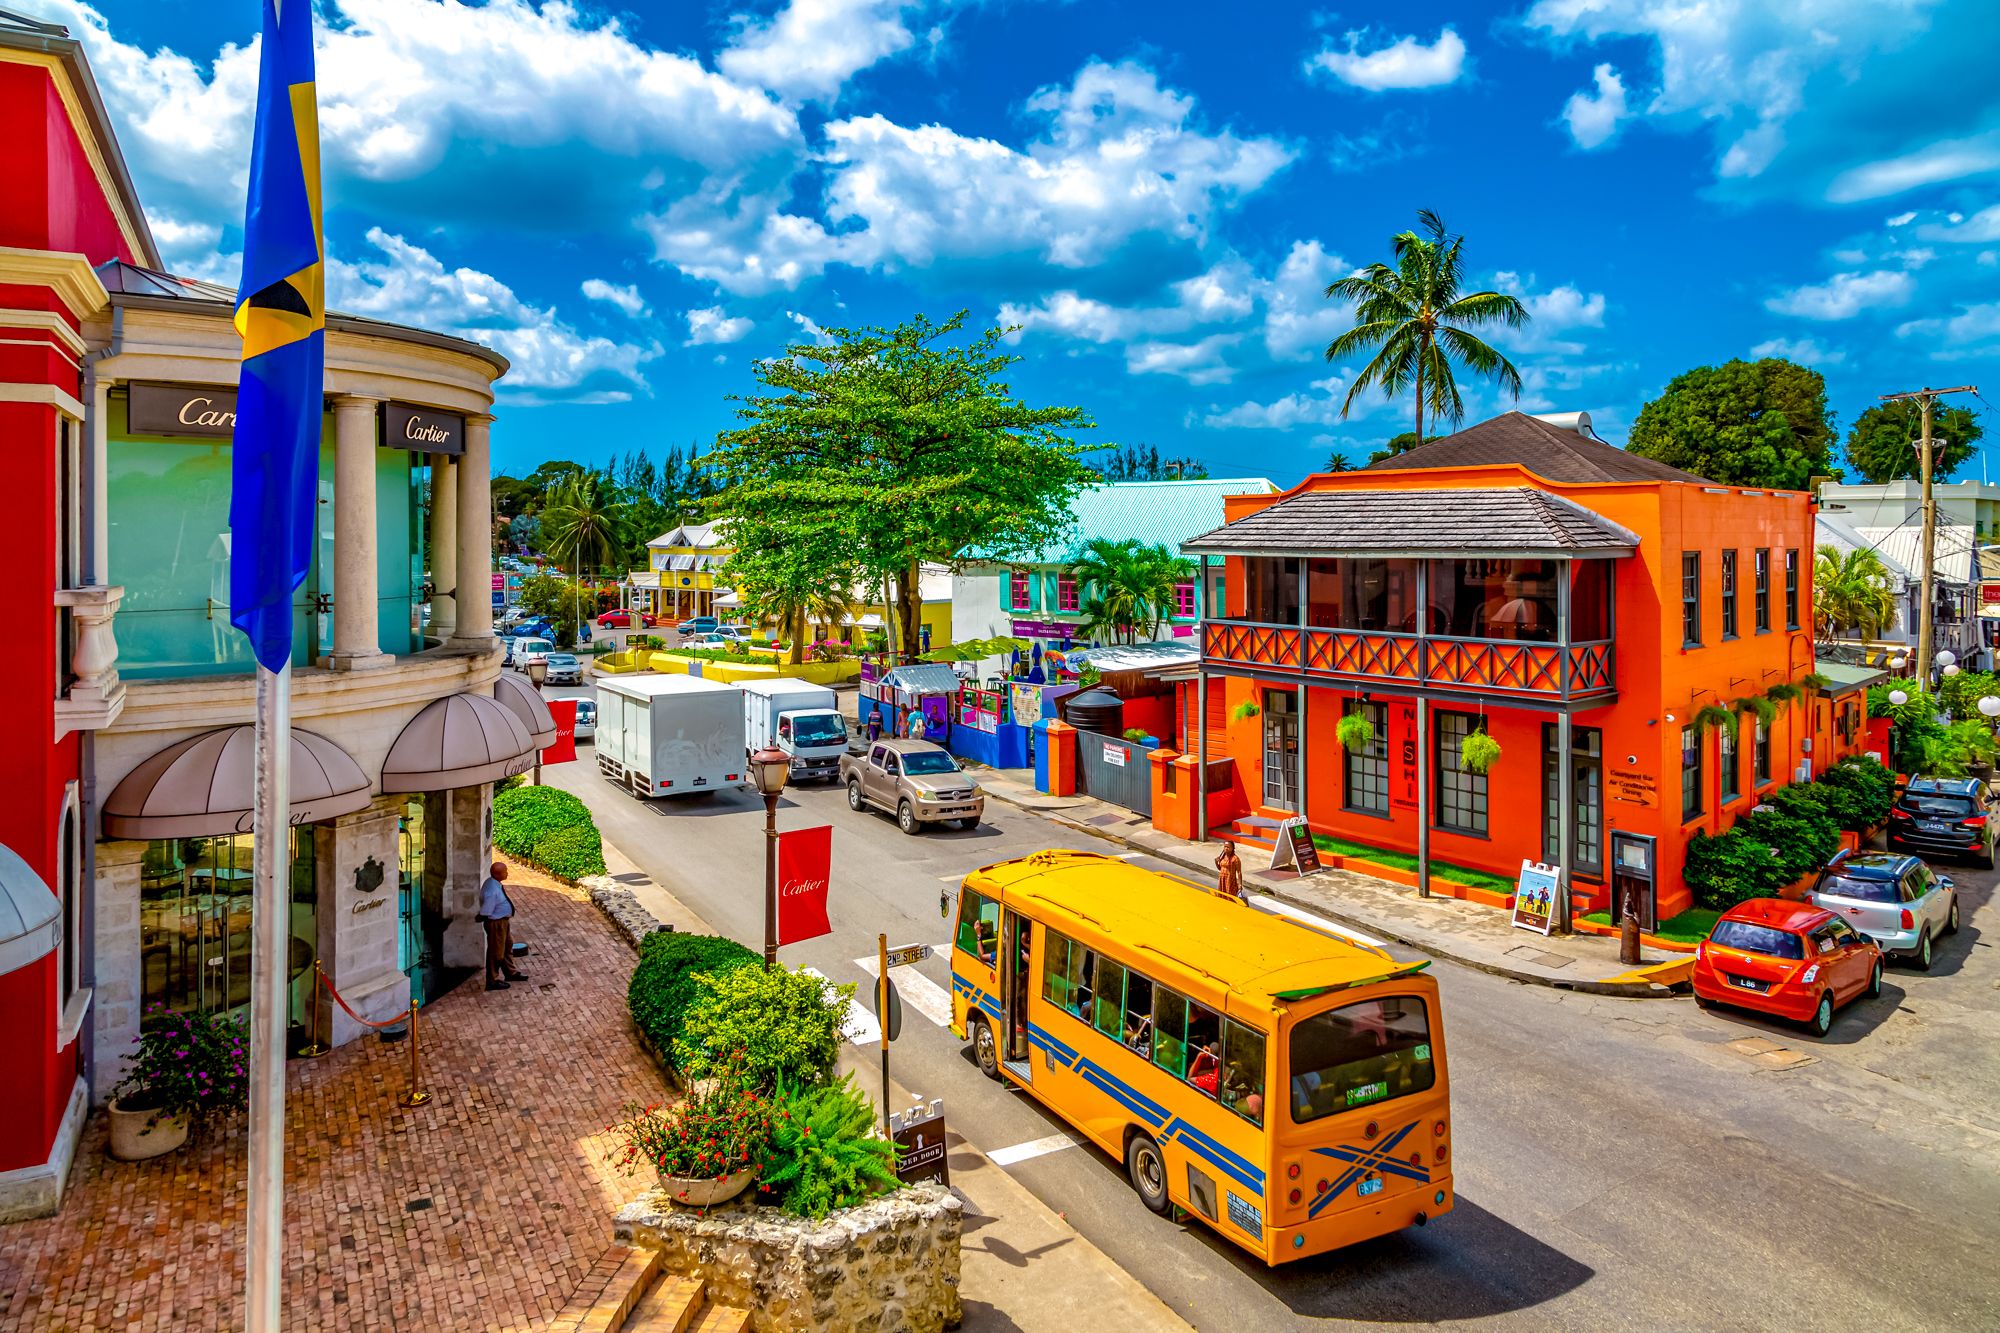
<point>496,913</point>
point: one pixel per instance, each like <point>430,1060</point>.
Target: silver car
<point>1892,898</point>
<point>564,669</point>
<point>586,720</point>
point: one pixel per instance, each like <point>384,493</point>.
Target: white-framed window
<point>72,984</point>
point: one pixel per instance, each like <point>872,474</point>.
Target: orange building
<point>1524,578</point>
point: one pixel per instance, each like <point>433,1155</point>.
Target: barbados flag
<point>281,317</point>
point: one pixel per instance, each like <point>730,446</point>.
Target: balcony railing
<point>1506,666</point>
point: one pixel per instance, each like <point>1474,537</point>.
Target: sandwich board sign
<point>1535,897</point>
<point>1295,848</point>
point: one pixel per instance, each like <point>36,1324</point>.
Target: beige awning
<point>29,914</point>
<point>204,786</point>
<point>460,740</point>
<point>525,702</point>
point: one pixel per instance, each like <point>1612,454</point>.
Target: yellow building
<point>680,578</point>
<point>934,592</point>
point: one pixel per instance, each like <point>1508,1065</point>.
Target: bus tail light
<point>1293,1197</point>
<point>1443,1151</point>
<point>1292,1171</point>
<point>1320,1188</point>
<point>1416,1159</point>
<point>1438,1129</point>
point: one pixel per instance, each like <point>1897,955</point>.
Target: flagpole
<point>270,956</point>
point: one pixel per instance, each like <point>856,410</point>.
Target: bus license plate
<point>1371,1186</point>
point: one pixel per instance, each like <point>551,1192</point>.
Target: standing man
<point>496,913</point>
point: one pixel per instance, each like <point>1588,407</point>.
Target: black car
<point>1943,817</point>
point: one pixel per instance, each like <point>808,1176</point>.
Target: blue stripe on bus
<point>1368,1157</point>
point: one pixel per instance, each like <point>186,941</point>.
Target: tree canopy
<point>1142,462</point>
<point>1882,444</point>
<point>1742,423</point>
<point>893,447</point>
<point>1399,444</point>
<point>1128,586</point>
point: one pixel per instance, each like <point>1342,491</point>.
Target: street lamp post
<point>538,674</point>
<point>768,769</point>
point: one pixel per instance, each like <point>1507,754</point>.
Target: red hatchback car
<point>1789,959</point>
<point>623,619</point>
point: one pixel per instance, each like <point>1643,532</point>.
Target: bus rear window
<point>1359,1055</point>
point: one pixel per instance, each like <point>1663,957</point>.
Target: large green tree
<point>1128,586</point>
<point>1743,423</point>
<point>1421,321</point>
<point>1851,592</point>
<point>1882,445</point>
<point>893,447</point>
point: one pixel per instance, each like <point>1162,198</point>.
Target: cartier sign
<point>423,430</point>
<point>181,409</point>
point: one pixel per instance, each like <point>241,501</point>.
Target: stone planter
<point>132,1141</point>
<point>694,1192</point>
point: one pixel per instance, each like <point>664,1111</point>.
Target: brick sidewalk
<point>481,1210</point>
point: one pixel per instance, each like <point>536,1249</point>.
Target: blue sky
<point>637,203</point>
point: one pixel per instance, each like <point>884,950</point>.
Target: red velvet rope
<point>350,1009</point>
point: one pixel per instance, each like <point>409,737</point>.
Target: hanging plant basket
<point>1244,711</point>
<point>1766,711</point>
<point>1355,731</point>
<point>1782,693</point>
<point>1478,752</point>
<point>1711,716</point>
<point>1814,682</point>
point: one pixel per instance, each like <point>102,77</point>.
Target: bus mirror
<point>944,904</point>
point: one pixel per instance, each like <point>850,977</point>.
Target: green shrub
<point>1804,839</point>
<point>1858,793</point>
<point>570,853</point>
<point>782,1024</point>
<point>548,828</point>
<point>824,1154</point>
<point>667,980</point>
<point>1726,869</point>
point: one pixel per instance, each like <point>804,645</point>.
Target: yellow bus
<point>1285,1086</point>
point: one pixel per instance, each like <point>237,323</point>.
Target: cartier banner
<point>424,430</point>
<point>181,409</point>
<point>805,864</point>
<point>562,750</point>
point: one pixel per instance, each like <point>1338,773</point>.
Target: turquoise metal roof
<point>1164,513</point>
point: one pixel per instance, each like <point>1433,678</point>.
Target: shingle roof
<point>1545,450</point>
<point>1164,513</point>
<point>1356,522</point>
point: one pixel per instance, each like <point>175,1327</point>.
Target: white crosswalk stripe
<point>858,1025</point>
<point>1022,1152</point>
<point>919,992</point>
<point>1305,918</point>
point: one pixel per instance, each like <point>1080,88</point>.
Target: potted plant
<point>1355,731</point>
<point>190,1071</point>
<point>1478,752</point>
<point>709,1147</point>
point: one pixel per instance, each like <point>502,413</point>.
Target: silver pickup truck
<point>918,782</point>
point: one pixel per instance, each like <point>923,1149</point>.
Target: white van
<point>531,650</point>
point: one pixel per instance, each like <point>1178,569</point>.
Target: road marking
<point>1023,1152</point>
<point>857,1025</point>
<point>1305,918</point>
<point>919,992</point>
<point>952,879</point>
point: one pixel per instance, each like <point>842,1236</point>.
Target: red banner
<point>805,864</point>
<point>562,750</point>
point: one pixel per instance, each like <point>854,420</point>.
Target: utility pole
<point>1927,401</point>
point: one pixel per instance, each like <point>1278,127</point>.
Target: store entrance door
<point>421,938</point>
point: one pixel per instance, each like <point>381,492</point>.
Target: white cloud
<point>1973,331</point>
<point>1902,219</point>
<point>1118,158</point>
<point>626,298</point>
<point>1949,160</point>
<point>1321,407</point>
<point>810,48</point>
<point>1221,293</point>
<point>183,242</point>
<point>1593,117</point>
<point>1403,64</point>
<point>1198,362</point>
<point>810,329</point>
<point>1298,319</point>
<point>1981,227</point>
<point>1551,314</point>
<point>550,360</point>
<point>711,325</point>
<point>1844,295</point>
<point>1805,351</point>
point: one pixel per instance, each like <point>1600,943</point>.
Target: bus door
<point>1015,987</point>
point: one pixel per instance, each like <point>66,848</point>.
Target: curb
<point>1623,990</point>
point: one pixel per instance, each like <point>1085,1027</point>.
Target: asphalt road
<point>1618,1163</point>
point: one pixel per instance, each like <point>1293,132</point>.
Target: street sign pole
<point>882,1011</point>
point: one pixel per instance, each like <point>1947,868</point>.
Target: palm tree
<point>1130,586</point>
<point>1415,313</point>
<point>1851,591</point>
<point>582,526</point>
<point>825,595</point>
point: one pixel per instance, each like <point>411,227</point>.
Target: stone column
<point>356,599</point>
<point>474,628</point>
<point>444,545</point>
<point>117,997</point>
<point>468,853</point>
<point>358,919</point>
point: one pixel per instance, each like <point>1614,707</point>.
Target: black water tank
<point>1098,710</point>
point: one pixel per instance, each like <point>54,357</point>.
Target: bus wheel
<point>1148,1168</point>
<point>984,1050</point>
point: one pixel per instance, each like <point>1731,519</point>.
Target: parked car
<point>622,619</point>
<point>1944,816</point>
<point>726,634</point>
<point>1893,898</point>
<point>528,650</point>
<point>699,625</point>
<point>918,782</point>
<point>586,720</point>
<point>536,627</point>
<point>564,669</point>
<point>1793,960</point>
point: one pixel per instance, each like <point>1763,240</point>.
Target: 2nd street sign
<point>905,954</point>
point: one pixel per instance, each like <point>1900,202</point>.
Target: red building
<point>68,205</point>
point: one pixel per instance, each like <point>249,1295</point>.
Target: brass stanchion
<point>314,1047</point>
<point>415,1096</point>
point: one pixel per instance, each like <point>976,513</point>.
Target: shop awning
<point>460,740</point>
<point>30,918</point>
<point>204,786</point>
<point>525,702</point>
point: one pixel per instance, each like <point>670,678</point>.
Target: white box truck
<point>669,735</point>
<point>800,718</point>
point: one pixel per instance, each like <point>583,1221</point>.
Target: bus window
<point>1204,1042</point>
<point>1360,1054</point>
<point>979,926</point>
<point>1243,1071</point>
<point>1110,998</point>
<point>1058,982</point>
<point>1139,1013</point>
<point>1083,966</point>
<point>1170,1031</point>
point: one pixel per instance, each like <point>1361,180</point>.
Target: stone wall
<point>885,1267</point>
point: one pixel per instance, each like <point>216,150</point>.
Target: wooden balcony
<point>1483,666</point>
